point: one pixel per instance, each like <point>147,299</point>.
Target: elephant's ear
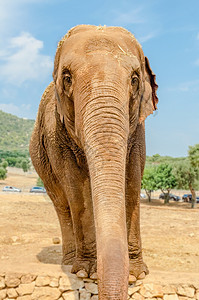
<point>55,75</point>
<point>149,98</point>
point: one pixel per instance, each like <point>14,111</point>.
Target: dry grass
<point>170,234</point>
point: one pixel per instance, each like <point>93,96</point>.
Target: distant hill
<point>14,132</point>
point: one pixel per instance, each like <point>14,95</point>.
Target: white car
<point>142,196</point>
<point>11,189</point>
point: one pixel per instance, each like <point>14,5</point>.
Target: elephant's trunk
<point>105,141</point>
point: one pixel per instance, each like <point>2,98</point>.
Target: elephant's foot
<point>68,257</point>
<point>138,268</point>
<point>84,267</point>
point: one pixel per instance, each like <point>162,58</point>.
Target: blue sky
<point>169,34</point>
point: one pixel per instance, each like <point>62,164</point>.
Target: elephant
<point>88,147</point>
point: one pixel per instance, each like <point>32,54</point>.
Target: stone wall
<point>68,286</point>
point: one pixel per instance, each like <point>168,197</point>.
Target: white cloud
<point>22,60</point>
<point>197,62</point>
<point>186,86</point>
<point>146,38</point>
<point>21,110</point>
<point>130,17</point>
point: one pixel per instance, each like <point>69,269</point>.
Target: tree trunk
<point>148,195</point>
<point>193,193</point>
<point>166,196</point>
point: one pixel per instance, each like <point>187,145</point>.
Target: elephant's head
<point>104,88</point>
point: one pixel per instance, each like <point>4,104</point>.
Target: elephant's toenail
<point>132,279</point>
<point>82,274</point>
<point>142,275</point>
<point>94,276</point>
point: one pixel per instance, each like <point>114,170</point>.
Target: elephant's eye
<point>134,84</point>
<point>67,77</point>
<point>135,81</point>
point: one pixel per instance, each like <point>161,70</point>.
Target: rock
<point>27,297</point>
<point>192,234</point>
<point>91,288</point>
<point>45,293</point>
<point>84,295</point>
<point>197,295</point>
<point>42,281</point>
<point>145,291</point>
<point>71,295</point>
<point>28,278</point>
<point>186,291</point>
<point>88,280</point>
<point>170,297</point>
<point>54,282</point>
<point>157,291</point>
<point>138,282</point>
<point>15,239</point>
<point>94,297</point>
<point>11,293</point>
<point>151,290</point>
<point>196,286</point>
<point>56,240</point>
<point>169,289</point>
<point>137,296</point>
<point>12,281</point>
<point>183,298</point>
<point>26,288</point>
<point>70,282</point>
<point>2,283</point>
<point>133,290</point>
<point>3,294</point>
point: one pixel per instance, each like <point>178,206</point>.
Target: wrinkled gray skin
<point>88,147</point>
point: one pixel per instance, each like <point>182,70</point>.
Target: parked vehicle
<point>11,189</point>
<point>142,196</point>
<point>171,196</point>
<point>37,189</point>
<point>188,198</point>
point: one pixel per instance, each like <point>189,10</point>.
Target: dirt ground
<point>28,223</point>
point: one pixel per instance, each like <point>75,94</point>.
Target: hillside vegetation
<point>14,132</point>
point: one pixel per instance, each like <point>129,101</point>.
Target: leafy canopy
<point>165,180</point>
<point>186,175</point>
<point>148,180</point>
<point>193,155</point>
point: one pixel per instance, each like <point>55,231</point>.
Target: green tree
<point>11,161</point>
<point>148,181</point>
<point>25,165</point>
<point>155,157</point>
<point>193,155</point>
<point>3,173</point>
<point>186,177</point>
<point>40,182</point>
<point>4,164</point>
<point>165,180</point>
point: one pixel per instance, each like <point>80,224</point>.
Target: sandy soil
<point>170,234</point>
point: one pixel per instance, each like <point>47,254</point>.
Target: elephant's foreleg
<point>135,167</point>
<point>84,230</point>
<point>59,199</point>
<point>76,185</point>
<point>68,239</point>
